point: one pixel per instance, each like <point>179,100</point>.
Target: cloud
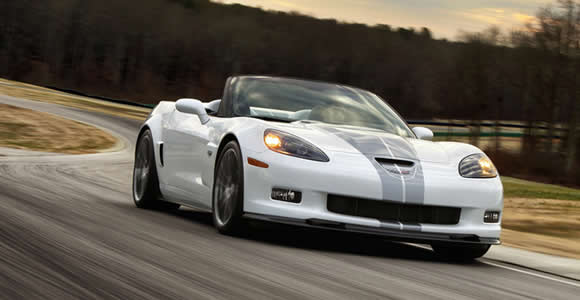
<point>286,4</point>
<point>493,16</point>
<point>523,18</point>
<point>476,19</point>
<point>443,17</point>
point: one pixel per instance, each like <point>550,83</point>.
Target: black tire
<point>228,191</point>
<point>460,252</point>
<point>146,192</point>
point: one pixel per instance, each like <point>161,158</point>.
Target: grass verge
<point>528,189</point>
<point>542,225</point>
<point>32,92</point>
<point>38,131</point>
<point>541,217</point>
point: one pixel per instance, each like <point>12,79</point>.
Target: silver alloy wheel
<point>226,186</point>
<point>142,170</point>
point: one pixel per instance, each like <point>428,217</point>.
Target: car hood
<point>370,142</point>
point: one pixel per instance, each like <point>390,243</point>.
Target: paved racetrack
<point>69,229</point>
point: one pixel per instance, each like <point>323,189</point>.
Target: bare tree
<point>479,69</point>
<point>573,51</point>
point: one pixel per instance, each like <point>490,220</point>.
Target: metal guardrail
<point>126,102</point>
<point>483,124</point>
<point>466,133</point>
<point>434,123</point>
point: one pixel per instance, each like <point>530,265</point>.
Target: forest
<point>151,50</point>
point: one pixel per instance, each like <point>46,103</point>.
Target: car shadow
<point>323,240</point>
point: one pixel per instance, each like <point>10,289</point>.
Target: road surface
<point>69,229</point>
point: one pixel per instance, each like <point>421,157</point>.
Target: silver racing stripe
<point>414,185</point>
<point>411,227</point>
<point>371,146</point>
<point>399,172</point>
<point>397,186</point>
<point>392,225</point>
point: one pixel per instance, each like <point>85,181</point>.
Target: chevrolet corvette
<point>319,155</point>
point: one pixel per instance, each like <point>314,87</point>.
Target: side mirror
<point>194,107</point>
<point>423,133</point>
<point>213,106</point>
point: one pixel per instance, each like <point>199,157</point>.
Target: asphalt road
<point>69,229</point>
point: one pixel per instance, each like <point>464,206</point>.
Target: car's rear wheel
<point>228,190</point>
<point>460,252</point>
<point>146,192</point>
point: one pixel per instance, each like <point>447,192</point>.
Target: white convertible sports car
<point>320,155</point>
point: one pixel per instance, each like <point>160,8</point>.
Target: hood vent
<point>398,162</point>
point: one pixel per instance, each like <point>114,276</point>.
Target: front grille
<point>388,211</point>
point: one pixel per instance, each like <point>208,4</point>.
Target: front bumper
<point>317,180</point>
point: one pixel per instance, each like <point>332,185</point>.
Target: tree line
<point>149,50</point>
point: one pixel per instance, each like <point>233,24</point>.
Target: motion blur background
<point>520,69</point>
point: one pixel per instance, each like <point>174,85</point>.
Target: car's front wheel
<point>460,252</point>
<point>228,190</point>
<point>146,192</point>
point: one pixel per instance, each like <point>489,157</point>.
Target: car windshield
<point>290,100</point>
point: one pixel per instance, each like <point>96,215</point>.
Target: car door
<point>185,150</point>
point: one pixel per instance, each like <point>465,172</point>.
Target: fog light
<point>491,217</point>
<point>286,195</point>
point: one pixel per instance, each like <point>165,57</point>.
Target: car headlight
<point>292,145</point>
<point>477,166</point>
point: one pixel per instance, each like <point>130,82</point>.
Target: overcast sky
<point>443,17</point>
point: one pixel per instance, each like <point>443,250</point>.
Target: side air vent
<point>398,162</point>
<point>161,154</point>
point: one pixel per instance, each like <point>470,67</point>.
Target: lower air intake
<point>388,211</point>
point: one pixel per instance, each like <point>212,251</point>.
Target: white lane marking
<point>532,274</point>
<point>512,269</point>
<point>400,173</point>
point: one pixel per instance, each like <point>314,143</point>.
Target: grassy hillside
<point>514,187</point>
